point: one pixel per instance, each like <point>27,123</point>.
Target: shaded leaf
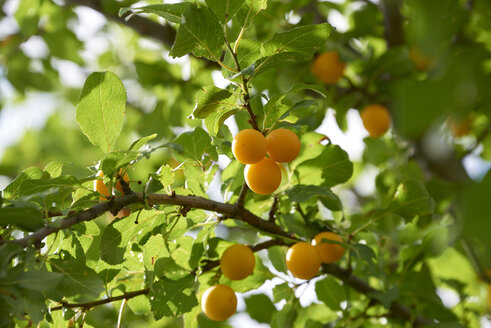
<point>330,168</point>
<point>260,308</point>
<point>195,144</point>
<point>302,193</point>
<point>199,33</point>
<point>330,292</point>
<point>412,199</point>
<point>225,9</point>
<point>27,217</point>
<point>172,298</point>
<point>212,99</point>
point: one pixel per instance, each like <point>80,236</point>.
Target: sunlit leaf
<point>101,108</point>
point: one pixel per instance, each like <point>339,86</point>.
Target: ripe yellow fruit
<point>219,302</point>
<point>100,187</point>
<point>249,146</point>
<point>329,253</point>
<point>283,145</point>
<point>303,260</point>
<point>237,262</point>
<point>460,126</point>
<point>118,185</point>
<point>328,68</point>
<point>376,119</point>
<point>264,177</point>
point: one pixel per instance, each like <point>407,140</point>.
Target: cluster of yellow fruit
<point>304,259</point>
<point>219,301</point>
<point>263,174</point>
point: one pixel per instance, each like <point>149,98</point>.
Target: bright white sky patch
<point>352,140</point>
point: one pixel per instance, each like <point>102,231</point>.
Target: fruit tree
<point>230,163</point>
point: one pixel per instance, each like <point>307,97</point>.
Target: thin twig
<point>89,305</point>
<point>242,195</point>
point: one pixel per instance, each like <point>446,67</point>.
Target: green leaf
<point>215,120</point>
<point>64,44</point>
<point>110,249</point>
<point>436,242</point>
<point>27,217</point>
<point>79,281</point>
<point>141,142</point>
<point>211,99</point>
<point>101,108</point>
<point>63,183</point>
<point>315,316</point>
<point>166,177</point>
<point>302,193</point>
<point>172,298</point>
<point>282,292</point>
<point>118,234</point>
<point>330,292</point>
<point>275,108</point>
<point>330,168</point>
<point>277,256</point>
<point>296,224</point>
<point>199,33</point>
<point>171,12</point>
<point>7,252</point>
<point>260,308</point>
<point>412,199</point>
<point>248,52</point>
<point>259,276</point>
<point>299,43</point>
<point>27,16</point>
<point>225,9</point>
<point>55,168</point>
<point>12,190</point>
<point>115,160</point>
<point>378,151</point>
<point>386,298</point>
<point>364,252</point>
<point>39,280</point>
<point>195,179</point>
<point>475,212</point>
<point>284,318</point>
<point>156,258</point>
<point>195,144</point>
<point>249,11</point>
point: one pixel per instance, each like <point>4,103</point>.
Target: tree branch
<point>89,305</point>
<point>117,203</point>
<point>391,9</point>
